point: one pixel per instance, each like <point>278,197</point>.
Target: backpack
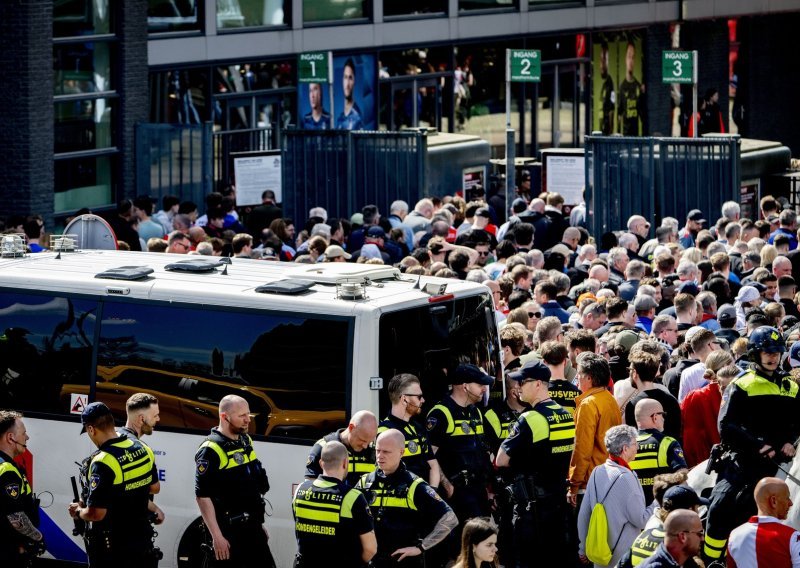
<point>597,549</point>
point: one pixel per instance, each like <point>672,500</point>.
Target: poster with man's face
<point>314,106</point>
<point>618,91</point>
<point>354,92</point>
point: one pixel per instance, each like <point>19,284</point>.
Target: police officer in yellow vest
<point>121,477</point>
<point>20,539</point>
<point>230,483</point>
<point>410,517</point>
<point>657,452</point>
<point>455,430</point>
<point>538,451</point>
<point>759,421</point>
<point>405,394</point>
<point>358,438</point>
<point>501,415</point>
<point>332,520</point>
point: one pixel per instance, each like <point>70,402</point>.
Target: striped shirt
<point>764,542</point>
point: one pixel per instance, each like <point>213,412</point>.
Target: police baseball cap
<point>532,370</point>
<point>467,373</point>
<point>681,497</point>
<point>92,413</point>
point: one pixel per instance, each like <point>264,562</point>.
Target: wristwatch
<point>421,549</point>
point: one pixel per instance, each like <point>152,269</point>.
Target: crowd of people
<point>626,362</point>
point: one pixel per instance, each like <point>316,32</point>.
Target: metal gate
<point>342,171</point>
<point>657,178</point>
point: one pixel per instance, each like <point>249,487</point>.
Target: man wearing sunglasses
<point>656,452</point>
<point>682,541</point>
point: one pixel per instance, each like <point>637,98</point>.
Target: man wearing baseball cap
<point>455,432</point>
<point>537,451</point>
<point>119,533</point>
<point>694,224</point>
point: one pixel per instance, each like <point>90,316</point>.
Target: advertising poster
<point>313,106</point>
<point>355,90</point>
<point>618,92</point>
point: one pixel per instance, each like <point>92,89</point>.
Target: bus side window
<point>45,352</point>
<point>292,369</point>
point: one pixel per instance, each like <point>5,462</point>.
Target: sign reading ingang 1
<point>525,65</point>
<point>677,67</point>
<point>312,67</point>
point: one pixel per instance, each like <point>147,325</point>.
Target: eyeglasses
<point>534,314</point>
<point>664,414</point>
<point>529,381</point>
<point>412,394</point>
<point>483,253</point>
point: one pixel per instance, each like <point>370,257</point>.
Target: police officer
<point>121,477</point>
<point>358,438</point>
<point>332,520</point>
<point>759,421</point>
<point>229,484</point>
<point>20,539</point>
<point>142,417</point>
<point>657,453</point>
<point>404,507</point>
<point>538,451</point>
<point>406,397</point>
<point>455,430</point>
<point>501,415</point>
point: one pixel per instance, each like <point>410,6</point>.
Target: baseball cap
<point>357,219</point>
<point>681,497</point>
<point>519,205</point>
<point>627,339</point>
<point>335,251</point>
<point>689,287</point>
<point>92,413</point>
<point>376,233</point>
<point>531,370</point>
<point>644,303</point>
<point>467,373</point>
<point>726,312</point>
<point>794,355</point>
<point>696,215</point>
<point>482,212</point>
<point>747,294</point>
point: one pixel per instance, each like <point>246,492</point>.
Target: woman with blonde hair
<point>478,544</point>
<point>700,410</point>
<point>768,254</point>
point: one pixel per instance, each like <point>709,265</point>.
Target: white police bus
<point>306,345</point>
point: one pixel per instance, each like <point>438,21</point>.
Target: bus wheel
<point>192,547</point>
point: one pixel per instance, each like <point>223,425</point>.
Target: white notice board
<point>256,172</point>
<point>564,173</point>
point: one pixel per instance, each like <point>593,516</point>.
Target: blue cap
<point>376,233</point>
<point>466,373</point>
<point>689,287</point>
<point>92,413</point>
<point>531,370</point>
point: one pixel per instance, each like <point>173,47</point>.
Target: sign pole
<point>330,87</point>
<point>694,94</point>
<point>510,141</point>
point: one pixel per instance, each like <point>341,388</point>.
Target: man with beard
<point>350,117</point>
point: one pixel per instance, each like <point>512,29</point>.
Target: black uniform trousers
<point>732,504</point>
<point>249,547</point>
<point>541,533</point>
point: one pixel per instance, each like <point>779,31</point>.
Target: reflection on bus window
<point>428,341</point>
<point>291,369</point>
<point>46,344</point>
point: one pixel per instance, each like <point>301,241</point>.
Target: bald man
<point>657,453</point>
<point>230,482</point>
<point>358,438</point>
<point>403,505</point>
<point>764,541</point>
<point>683,538</point>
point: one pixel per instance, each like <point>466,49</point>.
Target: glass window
<point>427,341</point>
<point>252,13</point>
<point>327,10</point>
<point>83,182</point>
<point>82,68</point>
<point>173,16</point>
<point>81,17</point>
<point>45,351</point>
<point>293,370</point>
<point>485,4</point>
<point>413,7</point>
<point>84,125</point>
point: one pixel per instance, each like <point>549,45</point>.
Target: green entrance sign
<point>314,67</point>
<point>677,67</point>
<point>524,65</point>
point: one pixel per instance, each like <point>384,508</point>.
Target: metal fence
<point>342,171</point>
<point>657,178</point>
<point>174,159</point>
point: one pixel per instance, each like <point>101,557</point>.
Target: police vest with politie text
<point>417,451</point>
<point>329,518</point>
<point>359,463</point>
<point>656,454</point>
<point>230,473</point>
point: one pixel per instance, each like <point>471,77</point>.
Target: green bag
<point>597,549</point>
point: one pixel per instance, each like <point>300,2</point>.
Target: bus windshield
<point>428,340</point>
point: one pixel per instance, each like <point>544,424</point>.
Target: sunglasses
<point>534,314</point>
